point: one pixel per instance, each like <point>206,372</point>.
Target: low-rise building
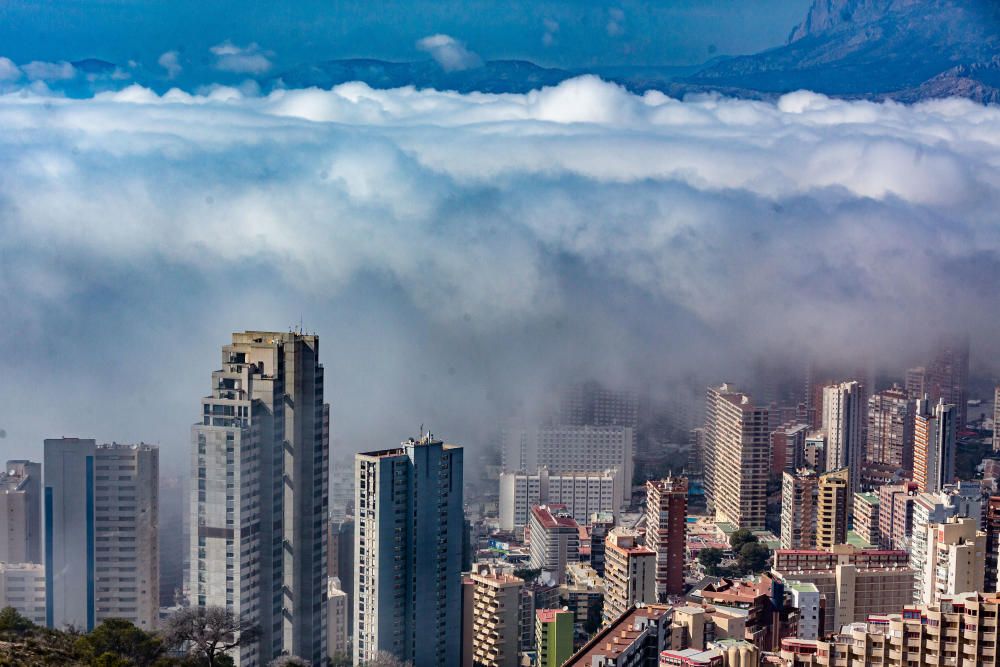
<point>553,636</point>
<point>22,586</point>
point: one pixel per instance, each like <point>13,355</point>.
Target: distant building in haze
<point>934,445</point>
<point>890,428</point>
<point>21,512</point>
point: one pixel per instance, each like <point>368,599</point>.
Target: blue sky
<point>568,33</point>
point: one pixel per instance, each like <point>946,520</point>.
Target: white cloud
<point>449,53</point>
<point>39,70</point>
<point>250,59</point>
<point>513,236</point>
<point>171,62</point>
<point>8,70</point>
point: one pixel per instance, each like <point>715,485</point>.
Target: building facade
<point>583,494</point>
<point>553,541</point>
<point>629,573</point>
<point>21,512</point>
<point>890,428</point>
<point>798,509</point>
<point>954,560</point>
<point>259,494</point>
<point>666,532</point>
<point>844,420</point>
<point>553,637</point>
<point>22,587</point>
<point>737,457</point>
<point>934,445</point>
<point>496,630</point>
<point>831,508</point>
<point>408,553</point>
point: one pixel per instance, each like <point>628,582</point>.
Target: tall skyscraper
<point>890,428</point>
<point>101,533</point>
<point>934,445</point>
<point>69,533</point>
<point>737,457</point>
<point>126,516</point>
<point>259,499</point>
<point>916,383</point>
<point>831,508</point>
<point>991,580</point>
<point>844,419</point>
<point>21,512</point>
<point>788,447</point>
<point>590,404</point>
<point>408,553</point>
<point>666,532</point>
<point>948,376</point>
<point>798,509</point>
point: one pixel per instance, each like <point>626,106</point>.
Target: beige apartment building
<point>737,457</point>
<point>955,559</point>
<point>854,583</point>
<point>798,509</point>
<point>959,631</point>
<point>629,573</point>
<point>831,508</point>
<point>496,629</point>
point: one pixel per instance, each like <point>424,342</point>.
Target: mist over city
<point>563,237</point>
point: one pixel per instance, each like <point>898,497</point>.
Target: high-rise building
<point>534,596</point>
<point>844,420</point>
<point>22,587</point>
<point>69,533</point>
<point>955,560</point>
<point>996,418</point>
<point>553,541</point>
<point>934,445</point>
<point>866,517</point>
<point>126,516</point>
<point>798,509</point>
<point>737,457</point>
<point>591,404</point>
<point>408,553</point>
<point>583,494</point>
<point>948,376</point>
<point>259,494</point>
<point>337,612</point>
<point>21,512</point>
<point>666,532</point>
<point>915,384</point>
<point>855,583</point>
<point>571,449</point>
<point>890,428</point>
<point>961,630</point>
<point>831,508</point>
<point>788,448</point>
<point>895,515</point>
<point>496,630</point>
<point>629,573</point>
<point>991,581</point>
<point>553,636</point>
<point>101,533</point>
<point>600,524</point>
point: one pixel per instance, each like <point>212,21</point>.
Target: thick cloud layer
<point>458,253</point>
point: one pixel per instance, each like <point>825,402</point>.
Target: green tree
<point>754,557</point>
<point>710,559</point>
<point>340,660</point>
<point>118,643</point>
<point>740,538</point>
<point>12,623</point>
<point>528,574</point>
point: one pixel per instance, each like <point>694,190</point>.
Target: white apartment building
<point>570,449</point>
<point>955,559</point>
<point>22,586</point>
<point>845,416</point>
<point>583,494</point>
<point>336,618</point>
<point>21,512</point>
<point>553,541</point>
